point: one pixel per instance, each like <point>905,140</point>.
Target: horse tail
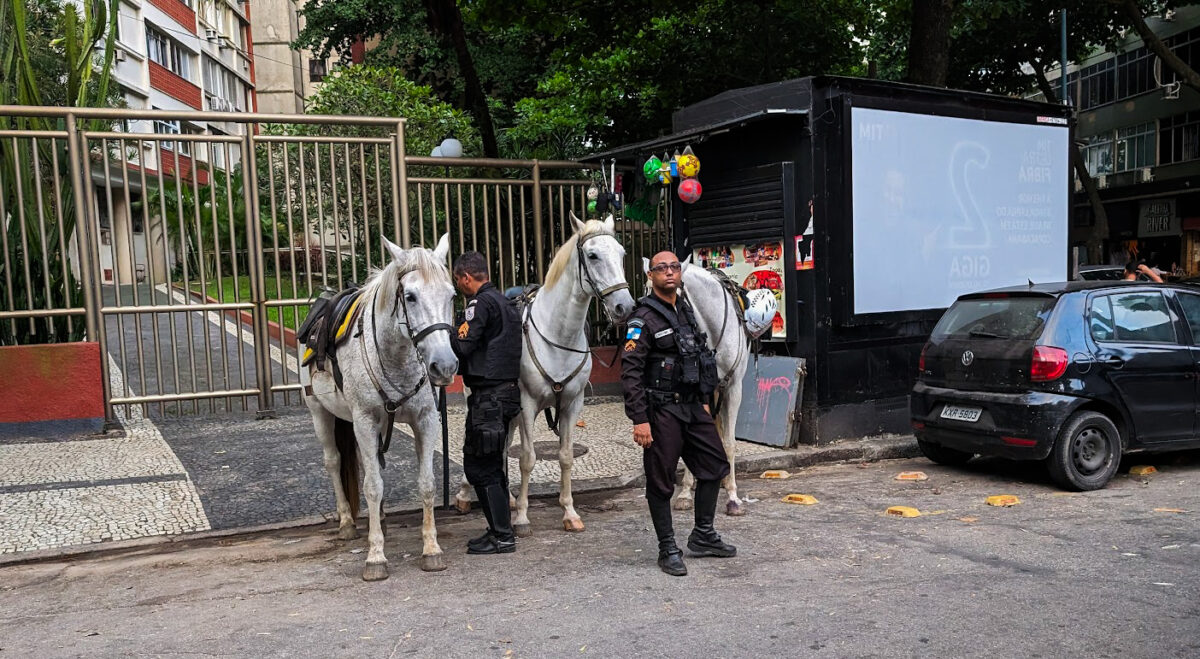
<point>347,447</point>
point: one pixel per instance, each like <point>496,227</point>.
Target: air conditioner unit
<point>119,55</point>
<point>1145,175</point>
<point>211,34</point>
<point>225,42</point>
<point>1102,181</point>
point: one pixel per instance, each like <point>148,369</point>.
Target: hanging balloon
<point>689,190</point>
<point>689,165</point>
<point>675,167</point>
<point>591,207</point>
<point>593,192</point>
<point>650,169</point>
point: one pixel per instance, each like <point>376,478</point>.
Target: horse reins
<point>390,405</point>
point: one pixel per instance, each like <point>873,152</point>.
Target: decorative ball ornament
<point>591,207</point>
<point>650,169</point>
<point>593,193</point>
<point>689,190</point>
<point>664,175</point>
<point>689,165</point>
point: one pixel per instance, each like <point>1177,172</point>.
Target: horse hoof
<point>433,563</point>
<point>522,530</point>
<point>462,506</point>
<point>348,532</point>
<point>573,525</point>
<point>683,503</point>
<point>734,509</point>
<point>375,571</point>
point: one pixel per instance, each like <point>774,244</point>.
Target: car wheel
<point>1087,452</point>
<point>943,455</point>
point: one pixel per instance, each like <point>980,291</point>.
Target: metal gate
<point>192,256</point>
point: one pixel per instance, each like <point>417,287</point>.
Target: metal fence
<point>192,257</point>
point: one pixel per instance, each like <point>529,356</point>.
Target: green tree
<point>50,53</point>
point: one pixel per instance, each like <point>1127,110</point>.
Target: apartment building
<point>1139,130</point>
<point>180,55</point>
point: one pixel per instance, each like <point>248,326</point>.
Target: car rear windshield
<point>996,318</point>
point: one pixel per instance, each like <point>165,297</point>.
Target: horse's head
<point>426,296</point>
<point>601,265</point>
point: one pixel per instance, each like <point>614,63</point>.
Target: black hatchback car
<point>1072,374</point>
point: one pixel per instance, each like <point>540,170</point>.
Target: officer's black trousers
<point>489,414</point>
<point>685,431</point>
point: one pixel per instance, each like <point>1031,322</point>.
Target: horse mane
<point>563,256</point>
<point>383,283</point>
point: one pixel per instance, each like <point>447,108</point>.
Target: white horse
<point>556,361</point>
<point>396,349</point>
<point>716,315</point>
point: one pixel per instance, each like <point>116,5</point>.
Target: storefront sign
<point>754,266</point>
<point>1156,217</point>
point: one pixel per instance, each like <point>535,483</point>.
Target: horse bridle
<point>391,405</point>
<point>585,275</point>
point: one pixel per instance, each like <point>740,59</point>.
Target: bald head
<point>665,274</point>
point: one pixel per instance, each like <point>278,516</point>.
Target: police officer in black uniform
<point>488,346</point>
<point>669,375</point>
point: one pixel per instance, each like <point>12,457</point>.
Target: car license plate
<point>956,413</point>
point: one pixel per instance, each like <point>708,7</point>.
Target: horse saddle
<point>327,326</point>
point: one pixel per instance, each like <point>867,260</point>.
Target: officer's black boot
<point>483,540</point>
<point>501,539</point>
<point>670,558</point>
<point>704,540</point>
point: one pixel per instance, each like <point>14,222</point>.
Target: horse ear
<point>397,252</point>
<point>609,223</point>
<point>645,265</point>
<point>443,248</point>
<point>578,226</point>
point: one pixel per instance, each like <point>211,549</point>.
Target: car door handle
<point>1111,360</point>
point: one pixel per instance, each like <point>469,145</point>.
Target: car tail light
<point>1049,363</point>
<point>918,425</point>
<point>921,363</point>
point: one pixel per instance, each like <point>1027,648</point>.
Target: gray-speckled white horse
<point>398,347</point>
<point>716,314</point>
<point>556,361</point>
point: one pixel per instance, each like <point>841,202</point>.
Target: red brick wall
<point>182,14</point>
<point>169,160</point>
<point>51,382</point>
<point>165,81</point>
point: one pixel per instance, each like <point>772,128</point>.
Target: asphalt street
<point>1112,573</point>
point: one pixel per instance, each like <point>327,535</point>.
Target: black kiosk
<point>918,195</point>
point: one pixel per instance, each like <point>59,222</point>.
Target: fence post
<point>88,270</point>
<point>537,220</point>
<point>400,187</point>
<point>258,284</point>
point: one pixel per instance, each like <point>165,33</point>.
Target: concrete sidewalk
<point>162,479</point>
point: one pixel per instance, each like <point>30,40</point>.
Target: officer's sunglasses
<point>664,267</point>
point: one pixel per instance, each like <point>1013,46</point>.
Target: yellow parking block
<point>1003,500</point>
<point>1142,470</point>
<point>903,511</point>
<point>776,473</point>
<point>802,499</point>
<point>912,476</point>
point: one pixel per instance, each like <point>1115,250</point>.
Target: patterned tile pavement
<point>87,489</point>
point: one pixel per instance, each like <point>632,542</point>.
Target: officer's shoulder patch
<point>469,314</point>
<point>635,322</point>
<point>463,330</point>
<point>633,333</point>
<point>630,346</point>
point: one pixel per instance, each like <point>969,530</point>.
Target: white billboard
<point>945,206</point>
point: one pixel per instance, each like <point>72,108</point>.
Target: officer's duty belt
<point>672,397</point>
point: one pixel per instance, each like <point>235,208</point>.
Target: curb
<point>859,450</point>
